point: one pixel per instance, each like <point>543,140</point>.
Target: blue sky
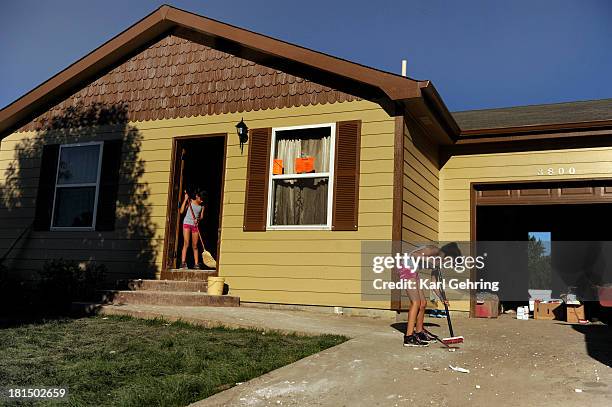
<point>545,238</point>
<point>478,53</point>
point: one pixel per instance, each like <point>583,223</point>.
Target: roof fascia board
<point>538,128</point>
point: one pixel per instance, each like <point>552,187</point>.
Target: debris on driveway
<point>459,369</point>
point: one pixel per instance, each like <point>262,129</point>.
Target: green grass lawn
<point>121,361</point>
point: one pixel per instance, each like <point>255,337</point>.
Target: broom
<point>437,338</point>
<point>452,339</point>
<point>207,258</point>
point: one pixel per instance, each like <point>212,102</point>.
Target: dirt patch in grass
<point>133,362</point>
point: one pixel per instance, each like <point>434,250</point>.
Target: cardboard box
<point>574,313</point>
<point>548,310</point>
<point>304,165</point>
<point>277,166</point>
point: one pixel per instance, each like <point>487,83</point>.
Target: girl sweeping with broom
<point>194,211</point>
<point>416,335</point>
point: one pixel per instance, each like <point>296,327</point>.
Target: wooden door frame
<point>176,141</point>
<point>474,204</point>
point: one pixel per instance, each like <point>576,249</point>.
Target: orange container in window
<point>277,167</point>
<point>303,165</point>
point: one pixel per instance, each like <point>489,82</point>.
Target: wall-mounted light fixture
<point>243,133</point>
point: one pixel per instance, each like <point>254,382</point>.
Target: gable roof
<point>394,93</point>
<point>554,116</point>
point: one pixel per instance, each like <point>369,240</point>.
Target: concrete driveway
<point>511,362</point>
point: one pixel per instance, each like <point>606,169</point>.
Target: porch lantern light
<point>243,133</point>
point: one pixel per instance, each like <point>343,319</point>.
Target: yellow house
<point>95,162</point>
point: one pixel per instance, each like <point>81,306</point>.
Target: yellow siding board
<point>410,236</point>
<point>454,216</point>
<point>414,167</point>
<point>364,233</point>
<point>288,258</point>
<point>306,245</point>
<point>417,227</point>
<point>414,193</point>
<point>316,284</point>
<point>424,218</point>
<point>526,171</point>
<point>415,176</point>
<point>520,159</point>
<point>281,296</point>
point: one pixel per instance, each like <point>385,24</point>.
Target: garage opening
<point>544,215</point>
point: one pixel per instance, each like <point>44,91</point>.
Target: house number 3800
<point>556,171</point>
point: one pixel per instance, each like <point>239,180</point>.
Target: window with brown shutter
<point>346,176</point>
<point>299,195</point>
<point>256,198</point>
<point>71,177</point>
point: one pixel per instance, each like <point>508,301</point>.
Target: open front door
<point>198,164</point>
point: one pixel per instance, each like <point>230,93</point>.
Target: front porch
<point>177,287</point>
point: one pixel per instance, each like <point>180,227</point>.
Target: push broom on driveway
<point>452,340</point>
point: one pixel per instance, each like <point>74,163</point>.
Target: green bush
<point>64,281</point>
<point>16,295</point>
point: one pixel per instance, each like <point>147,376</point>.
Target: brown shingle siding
<point>176,77</point>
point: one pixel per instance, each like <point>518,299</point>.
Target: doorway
<point>198,164</point>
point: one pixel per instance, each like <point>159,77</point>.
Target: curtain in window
<point>288,149</point>
<point>300,201</point>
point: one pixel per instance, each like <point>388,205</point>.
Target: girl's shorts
<point>190,227</point>
<point>408,274</point>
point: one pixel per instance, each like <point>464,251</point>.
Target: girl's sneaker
<point>414,341</point>
<point>184,266</point>
<point>199,266</point>
<point>424,336</point>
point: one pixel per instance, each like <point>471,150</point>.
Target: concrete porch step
<point>187,274</point>
<point>163,285</point>
<point>169,298</point>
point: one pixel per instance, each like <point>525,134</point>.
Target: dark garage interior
<point>578,253</point>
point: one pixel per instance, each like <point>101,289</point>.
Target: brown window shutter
<point>256,198</point>
<point>109,185</point>
<point>346,176</point>
<point>46,187</point>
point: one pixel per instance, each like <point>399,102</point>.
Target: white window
<point>301,177</point>
<point>76,186</point>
